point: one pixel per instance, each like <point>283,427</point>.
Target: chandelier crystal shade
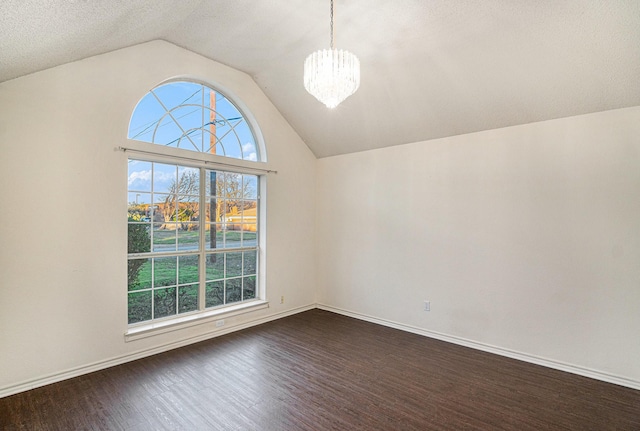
<point>331,75</point>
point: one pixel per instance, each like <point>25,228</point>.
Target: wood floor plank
<point>322,371</point>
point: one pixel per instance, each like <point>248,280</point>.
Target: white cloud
<point>249,151</point>
<point>140,177</point>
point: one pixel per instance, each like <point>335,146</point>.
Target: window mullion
<point>202,227</point>
<point>152,239</point>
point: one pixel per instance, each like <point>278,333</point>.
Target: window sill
<point>157,328</point>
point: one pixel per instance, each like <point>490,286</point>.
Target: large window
<point>193,231</point>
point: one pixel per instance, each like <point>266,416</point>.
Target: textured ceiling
<point>429,68</point>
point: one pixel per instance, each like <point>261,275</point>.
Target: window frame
<point>156,153</point>
<point>202,314</point>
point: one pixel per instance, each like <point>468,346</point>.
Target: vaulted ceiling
<point>430,68</point>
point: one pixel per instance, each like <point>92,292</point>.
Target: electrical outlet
<point>427,306</point>
<point>219,323</point>
<point>282,299</point>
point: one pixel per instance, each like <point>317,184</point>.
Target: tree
<point>231,188</point>
<point>139,242</point>
<point>222,185</point>
<point>181,204</point>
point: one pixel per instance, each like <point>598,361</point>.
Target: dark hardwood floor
<point>322,371</point>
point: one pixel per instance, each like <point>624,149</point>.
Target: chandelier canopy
<point>331,75</point>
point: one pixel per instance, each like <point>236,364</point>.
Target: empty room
<point>341,215</point>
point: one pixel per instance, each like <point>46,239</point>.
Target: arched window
<point>193,117</point>
<point>193,227</point>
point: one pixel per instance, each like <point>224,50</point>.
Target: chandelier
<point>331,75</point>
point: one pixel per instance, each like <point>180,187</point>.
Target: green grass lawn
<point>230,277</point>
<point>225,265</point>
<point>168,237</point>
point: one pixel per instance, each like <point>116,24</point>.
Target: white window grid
<point>202,252</point>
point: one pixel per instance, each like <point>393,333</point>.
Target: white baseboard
<point>101,365</point>
<point>562,366</point>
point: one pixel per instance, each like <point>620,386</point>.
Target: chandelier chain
<point>331,25</point>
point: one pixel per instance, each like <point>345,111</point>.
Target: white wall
<point>63,192</point>
<point>525,239</point>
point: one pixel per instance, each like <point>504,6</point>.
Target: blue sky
<point>174,114</point>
